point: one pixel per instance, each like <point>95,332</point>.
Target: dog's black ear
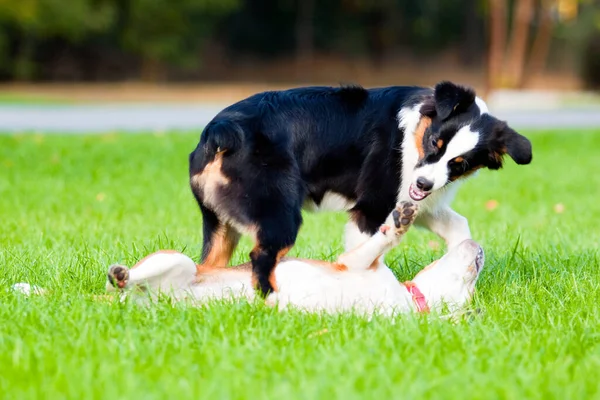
<point>450,97</point>
<point>507,141</point>
<point>518,147</point>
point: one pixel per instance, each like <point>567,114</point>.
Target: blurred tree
<point>541,42</point>
<point>587,34</point>
<point>517,45</point>
<point>498,27</point>
<point>170,31</point>
<point>513,64</point>
<point>36,20</point>
<point>96,39</point>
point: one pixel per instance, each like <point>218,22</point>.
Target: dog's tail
<point>223,135</point>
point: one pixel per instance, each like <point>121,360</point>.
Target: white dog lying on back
<point>358,281</point>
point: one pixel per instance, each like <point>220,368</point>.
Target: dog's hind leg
<point>275,238</point>
<point>219,240</point>
<point>159,271</point>
<point>367,254</point>
<point>211,189</point>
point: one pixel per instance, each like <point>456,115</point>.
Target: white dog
<point>358,281</point>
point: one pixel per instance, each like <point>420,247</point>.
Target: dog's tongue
<point>416,194</point>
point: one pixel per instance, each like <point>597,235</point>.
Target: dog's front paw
<point>404,215</point>
<point>118,276</point>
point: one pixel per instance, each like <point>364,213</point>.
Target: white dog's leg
<point>353,237</point>
<point>160,270</point>
<point>365,255</point>
<point>447,224</point>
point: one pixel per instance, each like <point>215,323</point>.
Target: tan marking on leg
<point>424,123</point>
<point>281,253</point>
<point>210,180</point>
<point>223,243</point>
<point>273,280</point>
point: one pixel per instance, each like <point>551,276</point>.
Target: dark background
<point>496,43</point>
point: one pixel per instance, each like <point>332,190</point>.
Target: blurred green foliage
<point>39,37</point>
<point>129,39</point>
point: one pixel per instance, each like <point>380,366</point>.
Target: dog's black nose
<point>424,184</point>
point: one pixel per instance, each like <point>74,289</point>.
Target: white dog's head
<point>451,280</point>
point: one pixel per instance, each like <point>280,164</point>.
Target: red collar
<point>417,296</point>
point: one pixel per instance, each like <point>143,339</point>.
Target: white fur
<point>408,120</point>
<point>450,283</point>
<point>435,212</point>
<point>365,287</point>
<point>353,237</point>
<point>371,249</point>
<point>331,202</point>
<point>313,288</point>
<point>463,141</point>
<point>483,108</point>
<point>368,286</point>
<point>175,274</point>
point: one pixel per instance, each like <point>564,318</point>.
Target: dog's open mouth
<point>417,194</point>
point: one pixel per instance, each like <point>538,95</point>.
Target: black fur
<point>452,99</point>
<point>283,148</point>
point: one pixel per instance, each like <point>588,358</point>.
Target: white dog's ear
<point>451,98</point>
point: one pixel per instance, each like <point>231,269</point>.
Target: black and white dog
<point>263,159</point>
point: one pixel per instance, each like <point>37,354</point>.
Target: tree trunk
<point>541,42</point>
<point>522,16</point>
<point>152,70</point>
<point>497,44</point>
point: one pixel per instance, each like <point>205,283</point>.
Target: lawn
<point>72,205</point>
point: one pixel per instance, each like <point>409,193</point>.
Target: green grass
<point>71,205</point>
<point>27,99</point>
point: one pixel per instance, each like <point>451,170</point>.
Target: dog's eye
<point>433,143</point>
<point>457,163</point>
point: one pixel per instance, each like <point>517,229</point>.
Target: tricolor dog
<point>263,159</point>
<point>358,281</point>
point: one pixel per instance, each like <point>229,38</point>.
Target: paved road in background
<point>159,117</point>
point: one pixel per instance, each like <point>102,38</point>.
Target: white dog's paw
<point>118,276</point>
